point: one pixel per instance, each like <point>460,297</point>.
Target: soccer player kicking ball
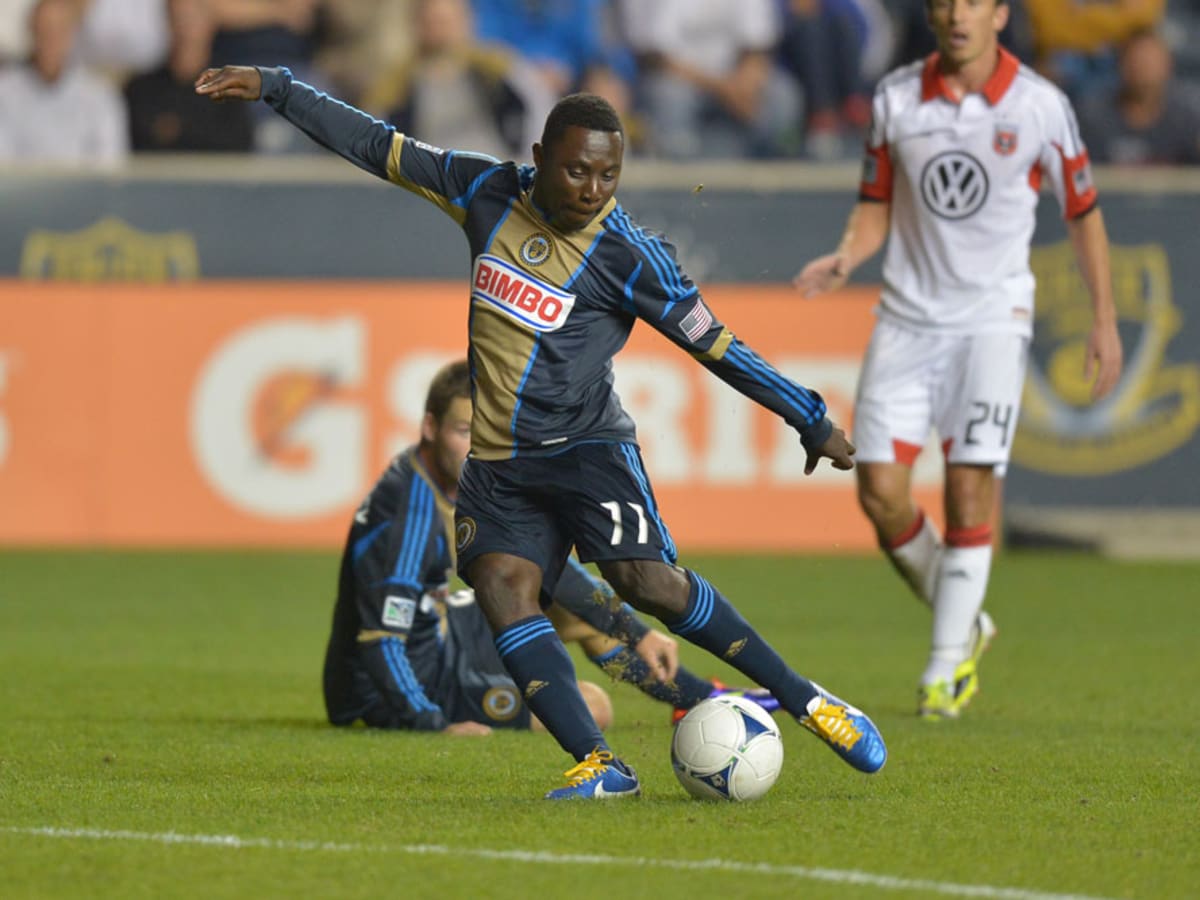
<point>958,147</point>
<point>560,273</point>
<point>404,653</point>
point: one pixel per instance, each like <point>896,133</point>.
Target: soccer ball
<point>727,748</point>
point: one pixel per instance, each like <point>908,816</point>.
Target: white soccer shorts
<point>967,387</point>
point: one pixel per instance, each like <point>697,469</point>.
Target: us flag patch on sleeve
<point>697,321</point>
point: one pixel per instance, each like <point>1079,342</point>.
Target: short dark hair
<point>452,382</point>
<point>580,110</point>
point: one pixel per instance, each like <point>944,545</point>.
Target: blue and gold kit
<point>549,309</point>
<point>403,652</point>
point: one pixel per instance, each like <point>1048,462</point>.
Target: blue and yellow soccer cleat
<point>761,696</point>
<point>600,776</point>
<point>851,734</point>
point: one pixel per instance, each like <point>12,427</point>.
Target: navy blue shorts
<point>593,497</point>
<point>474,685</point>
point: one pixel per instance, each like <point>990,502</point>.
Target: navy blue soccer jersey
<point>385,650</point>
<point>548,309</point>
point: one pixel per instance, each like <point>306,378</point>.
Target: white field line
<point>804,873</point>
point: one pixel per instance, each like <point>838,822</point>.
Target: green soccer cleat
<point>942,700</point>
<point>936,701</point>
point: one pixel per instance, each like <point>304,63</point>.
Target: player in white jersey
<point>957,150</point>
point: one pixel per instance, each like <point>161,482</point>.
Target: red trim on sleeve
<point>1080,189</point>
<point>946,445</point>
<point>979,536</point>
<point>876,181</point>
<point>1035,177</point>
<point>908,533</point>
<point>906,454</point>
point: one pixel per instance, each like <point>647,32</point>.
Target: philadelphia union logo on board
<point>536,249</point>
<point>954,185</point>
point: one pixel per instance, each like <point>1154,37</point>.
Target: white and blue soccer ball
<point>727,748</point>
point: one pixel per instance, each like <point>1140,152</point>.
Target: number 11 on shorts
<point>614,510</point>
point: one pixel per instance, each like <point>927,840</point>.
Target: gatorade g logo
<point>954,185</point>
<point>520,296</point>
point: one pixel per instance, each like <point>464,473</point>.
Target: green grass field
<point>161,735</point>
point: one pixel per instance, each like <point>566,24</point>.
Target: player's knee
<point>598,702</point>
<point>882,502</point>
<point>506,588</point>
<point>651,586</point>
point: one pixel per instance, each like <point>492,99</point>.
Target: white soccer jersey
<point>963,178</point>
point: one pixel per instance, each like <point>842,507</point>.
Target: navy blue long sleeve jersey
<point>388,633</point>
<point>548,309</point>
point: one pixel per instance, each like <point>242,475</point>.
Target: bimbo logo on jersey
<point>529,301</point>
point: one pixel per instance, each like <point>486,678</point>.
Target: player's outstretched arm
<point>467,729</point>
<point>348,132</point>
<point>864,234</point>
<point>1104,360</point>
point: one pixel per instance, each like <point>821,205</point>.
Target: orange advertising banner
<point>258,413</point>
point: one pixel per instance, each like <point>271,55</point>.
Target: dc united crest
<point>1004,141</point>
<point>954,185</point>
<point>536,248</point>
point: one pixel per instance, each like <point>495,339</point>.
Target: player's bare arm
<point>230,83</point>
<point>467,729</point>
<point>865,232</point>
<point>1104,355</point>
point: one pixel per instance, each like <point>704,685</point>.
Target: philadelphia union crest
<point>535,249</point>
<point>464,533</point>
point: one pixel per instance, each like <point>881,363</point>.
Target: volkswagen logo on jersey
<point>536,248</point>
<point>954,185</point>
<point>519,295</point>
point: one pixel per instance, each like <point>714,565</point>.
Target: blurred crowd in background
<point>89,82</point>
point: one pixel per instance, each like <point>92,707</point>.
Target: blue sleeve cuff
<point>275,83</point>
<point>813,436</point>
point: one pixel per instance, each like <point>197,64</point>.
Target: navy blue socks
<point>710,621</point>
<point>538,663</point>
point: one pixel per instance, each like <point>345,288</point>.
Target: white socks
<point>952,580</point>
<point>961,585</point>
<point>915,555</point>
